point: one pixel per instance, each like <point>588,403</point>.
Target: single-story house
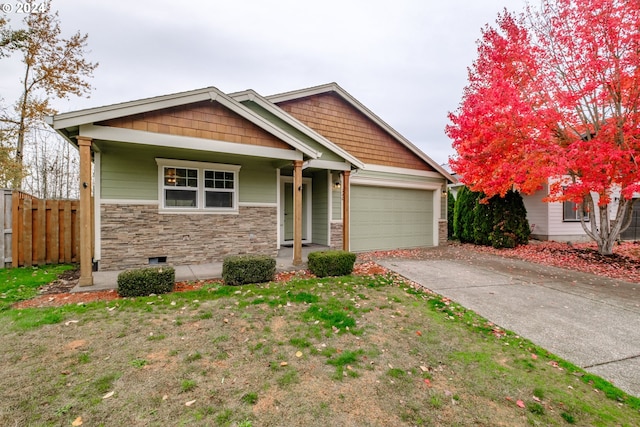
<point>193,177</point>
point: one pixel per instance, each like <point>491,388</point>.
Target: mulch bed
<point>58,293</point>
<point>623,264</point>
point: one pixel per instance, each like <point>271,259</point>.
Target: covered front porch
<point>313,207</point>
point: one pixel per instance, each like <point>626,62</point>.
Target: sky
<point>405,60</point>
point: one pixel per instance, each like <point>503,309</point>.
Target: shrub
<point>331,263</point>
<point>483,222</point>
<point>451,204</point>
<point>463,215</point>
<point>243,269</point>
<point>146,281</point>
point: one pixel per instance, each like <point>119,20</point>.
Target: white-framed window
<point>572,211</point>
<point>188,186</point>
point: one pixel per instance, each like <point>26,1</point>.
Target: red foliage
<point>554,94</point>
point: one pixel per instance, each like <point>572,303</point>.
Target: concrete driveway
<point>591,321</point>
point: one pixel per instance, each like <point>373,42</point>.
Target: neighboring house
<point>560,221</point>
<point>193,177</point>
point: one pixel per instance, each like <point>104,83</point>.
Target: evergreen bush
<point>331,263</point>
<point>243,269</point>
<point>451,203</point>
<point>146,281</point>
<point>483,222</point>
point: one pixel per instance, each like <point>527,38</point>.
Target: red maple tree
<point>554,98</point>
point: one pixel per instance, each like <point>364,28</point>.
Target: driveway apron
<point>592,322</point>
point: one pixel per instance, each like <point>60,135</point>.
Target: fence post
<point>6,227</point>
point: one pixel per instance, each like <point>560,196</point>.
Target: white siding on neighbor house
<point>547,221</point>
<point>560,229</point>
<point>537,212</point>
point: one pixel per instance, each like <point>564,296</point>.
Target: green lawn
<point>366,351</point>
<point>18,284</point>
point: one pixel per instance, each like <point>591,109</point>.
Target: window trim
<point>575,209</point>
<point>201,167</point>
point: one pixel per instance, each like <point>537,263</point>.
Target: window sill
<point>198,211</point>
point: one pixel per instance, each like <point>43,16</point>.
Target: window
<point>571,211</point>
<point>218,189</point>
<point>180,187</point>
<point>197,187</point>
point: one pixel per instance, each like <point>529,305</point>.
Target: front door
<point>286,210</point>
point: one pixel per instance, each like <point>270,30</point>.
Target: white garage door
<point>390,218</point>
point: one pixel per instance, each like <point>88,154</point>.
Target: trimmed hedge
<point>243,269</point>
<point>331,263</point>
<point>146,281</point>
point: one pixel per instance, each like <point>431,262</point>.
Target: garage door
<point>390,218</point>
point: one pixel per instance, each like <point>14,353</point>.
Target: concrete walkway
<point>591,321</point>
<point>104,280</point>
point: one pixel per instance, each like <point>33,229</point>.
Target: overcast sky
<point>406,60</point>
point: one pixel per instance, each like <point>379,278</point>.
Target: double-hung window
<point>187,186</point>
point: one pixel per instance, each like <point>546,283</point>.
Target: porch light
<point>336,185</point>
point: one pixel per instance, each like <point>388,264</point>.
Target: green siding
<point>310,142</point>
<point>390,218</point>
<point>131,172</point>
<point>320,205</point>
<point>336,200</point>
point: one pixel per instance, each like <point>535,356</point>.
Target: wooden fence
<point>42,231</point>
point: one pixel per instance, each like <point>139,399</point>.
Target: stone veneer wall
<point>336,235</point>
<point>131,234</point>
<point>442,232</point>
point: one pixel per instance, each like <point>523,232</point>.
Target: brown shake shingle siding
<point>335,119</point>
<point>207,120</point>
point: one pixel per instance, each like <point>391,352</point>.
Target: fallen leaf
<point>520,403</point>
<point>534,356</point>
<point>283,363</point>
<point>77,422</point>
<point>427,382</point>
<point>108,395</point>
<point>68,322</point>
<point>424,368</point>
<point>298,354</point>
<point>536,398</point>
<point>418,333</point>
<point>165,397</point>
<point>189,403</point>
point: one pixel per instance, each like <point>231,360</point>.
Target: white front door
<point>286,210</point>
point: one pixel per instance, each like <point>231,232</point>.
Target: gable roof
<point>253,96</point>
<point>66,122</point>
<point>335,88</point>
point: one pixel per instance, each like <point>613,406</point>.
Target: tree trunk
<point>606,232</point>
